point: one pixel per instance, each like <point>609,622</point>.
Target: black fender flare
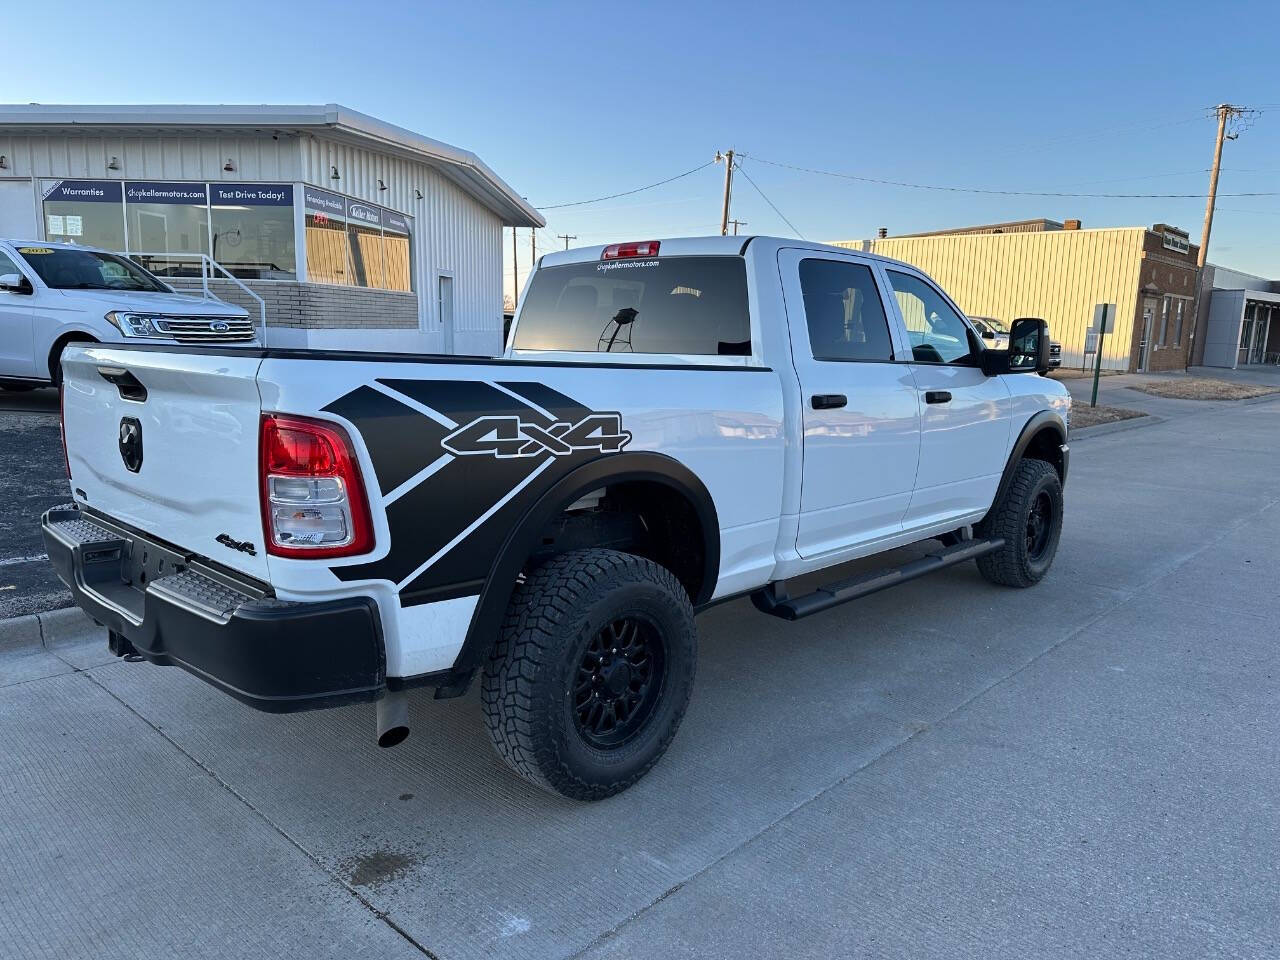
<point>495,595</point>
<point>1045,420</point>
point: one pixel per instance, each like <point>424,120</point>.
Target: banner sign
<point>161,192</point>
<point>85,191</point>
<point>322,201</point>
<point>1174,242</point>
<point>251,194</point>
<point>358,212</point>
<point>395,221</point>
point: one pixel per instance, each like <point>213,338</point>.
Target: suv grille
<point>208,329</point>
<point>1055,349</point>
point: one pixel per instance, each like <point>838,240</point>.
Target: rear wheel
<point>1029,519</point>
<point>591,676</point>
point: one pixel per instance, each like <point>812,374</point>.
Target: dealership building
<point>338,229</point>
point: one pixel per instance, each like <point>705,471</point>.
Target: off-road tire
<point>529,689</point>
<point>1018,563</point>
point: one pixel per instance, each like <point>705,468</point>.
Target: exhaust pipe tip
<point>393,719</point>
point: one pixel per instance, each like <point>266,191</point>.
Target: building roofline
<point>462,166</point>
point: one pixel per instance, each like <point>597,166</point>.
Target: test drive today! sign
<point>250,194</point>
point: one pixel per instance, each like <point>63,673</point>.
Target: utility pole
<point>515,272</point>
<point>736,224</point>
<point>533,247</point>
<point>566,238</point>
<point>727,159</point>
<point>1226,113</point>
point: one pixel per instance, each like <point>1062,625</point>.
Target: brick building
<point>1059,271</point>
<point>344,230</point>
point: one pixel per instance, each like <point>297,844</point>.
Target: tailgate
<point>197,414</point>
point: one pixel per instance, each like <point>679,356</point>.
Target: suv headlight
<point>137,325</point>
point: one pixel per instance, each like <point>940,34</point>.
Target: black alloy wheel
<point>619,680</point>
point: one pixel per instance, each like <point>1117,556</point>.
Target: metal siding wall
<point>83,156</point>
<point>453,233</point>
<point>1058,275</point>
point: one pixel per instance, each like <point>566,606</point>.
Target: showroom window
<point>326,237</point>
<point>84,211</point>
<point>247,227</point>
<point>251,229</point>
<point>168,222</point>
<point>355,244</point>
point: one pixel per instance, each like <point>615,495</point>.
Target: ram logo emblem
<point>509,436</point>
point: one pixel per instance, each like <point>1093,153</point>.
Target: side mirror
<point>988,335</point>
<point>15,283</point>
<point>1028,350</point>
<point>1029,346</point>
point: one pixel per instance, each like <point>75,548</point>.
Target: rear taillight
<point>621,251</point>
<point>62,426</point>
<point>313,500</point>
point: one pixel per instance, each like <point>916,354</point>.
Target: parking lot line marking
<point>10,561</point>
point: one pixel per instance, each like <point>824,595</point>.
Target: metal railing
<point>209,267</point>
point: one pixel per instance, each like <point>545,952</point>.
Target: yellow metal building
<point>1041,269</point>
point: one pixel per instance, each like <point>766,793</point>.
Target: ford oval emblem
<point>219,326</point>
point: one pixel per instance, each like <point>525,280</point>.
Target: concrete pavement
<point>1087,768</point>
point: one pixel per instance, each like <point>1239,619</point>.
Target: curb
<point>43,629</point>
<point>1102,429</point>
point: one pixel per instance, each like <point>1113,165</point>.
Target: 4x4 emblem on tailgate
<point>512,437</point>
<point>131,443</point>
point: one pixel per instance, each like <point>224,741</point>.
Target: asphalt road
<point>1090,768</point>
<point>33,477</point>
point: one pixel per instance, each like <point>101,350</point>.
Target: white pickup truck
<point>674,423</point>
<point>53,294</point>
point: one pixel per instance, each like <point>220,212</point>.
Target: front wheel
<point>1029,519</point>
<point>590,678</point>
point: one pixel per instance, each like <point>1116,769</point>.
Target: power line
<point>793,227</point>
<point>627,193</point>
<point>1004,193</point>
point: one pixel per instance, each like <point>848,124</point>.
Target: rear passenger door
<point>860,411</point>
<point>964,426</point>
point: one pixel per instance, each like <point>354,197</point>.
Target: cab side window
<point>843,310</point>
<point>7,265</point>
<point>936,331</point>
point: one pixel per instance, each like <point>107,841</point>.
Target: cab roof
<point>713,246</point>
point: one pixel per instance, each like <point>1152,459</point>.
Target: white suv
<point>52,294</point>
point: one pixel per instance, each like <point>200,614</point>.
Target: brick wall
<point>1164,273</point>
<point>308,306</point>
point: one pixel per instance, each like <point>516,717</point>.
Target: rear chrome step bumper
<point>177,608</point>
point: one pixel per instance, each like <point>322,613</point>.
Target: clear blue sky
<point>574,100</point>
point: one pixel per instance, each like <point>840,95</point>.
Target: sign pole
<point>1102,319</point>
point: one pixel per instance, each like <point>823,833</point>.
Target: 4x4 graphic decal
<point>512,437</point>
<point>504,443</point>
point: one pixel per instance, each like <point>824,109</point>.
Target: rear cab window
<point>694,306</point>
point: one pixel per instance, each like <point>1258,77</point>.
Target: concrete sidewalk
<point>948,769</point>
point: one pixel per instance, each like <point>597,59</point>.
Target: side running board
<point>775,600</point>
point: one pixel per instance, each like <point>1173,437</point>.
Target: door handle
<point>937,396</point>
<point>828,401</point>
<point>130,387</point>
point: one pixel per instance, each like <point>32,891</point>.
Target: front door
<point>860,411</point>
<point>964,414</point>
<point>16,326</point>
<point>1148,327</point>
